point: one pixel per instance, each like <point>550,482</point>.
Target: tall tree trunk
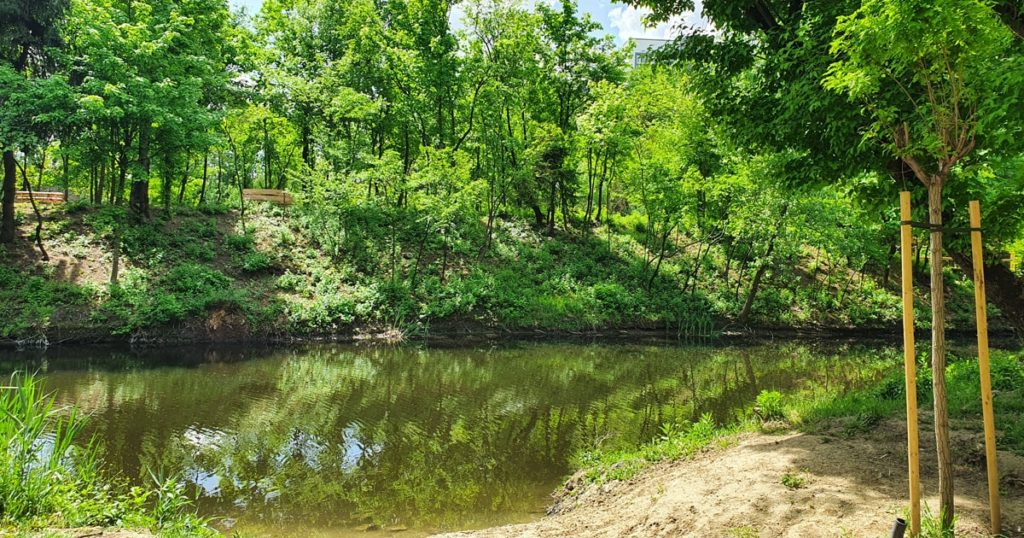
<point>538,215</point>
<point>138,199</point>
<point>661,255</point>
<point>115,253</point>
<point>600,187</point>
<point>9,188</point>
<point>267,173</point>
<point>590,184</point>
<point>185,177</point>
<point>206,170</point>
<point>945,461</point>
<point>307,156</point>
<point>64,173</point>
<point>551,208</point>
<point>100,180</point>
<point>220,173</point>
<point>92,183</point>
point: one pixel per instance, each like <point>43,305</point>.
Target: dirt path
<point>851,487</point>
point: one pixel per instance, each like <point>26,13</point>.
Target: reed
<point>39,457</point>
<point>49,479</point>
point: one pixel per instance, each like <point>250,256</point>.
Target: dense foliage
<point>516,171</point>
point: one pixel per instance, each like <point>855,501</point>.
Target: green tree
<point>154,74</point>
<point>27,29</point>
<point>931,75</point>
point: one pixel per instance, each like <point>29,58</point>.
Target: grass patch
<point>860,411</point>
<point>793,480</point>
<point>31,301</point>
<point>675,442</point>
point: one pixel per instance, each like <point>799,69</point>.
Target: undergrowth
<point>317,270</point>
<point>676,441</point>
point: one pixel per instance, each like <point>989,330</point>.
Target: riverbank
<point>212,275</point>
<point>837,468</point>
<point>445,335</point>
<point>780,485</point>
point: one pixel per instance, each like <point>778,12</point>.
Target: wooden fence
<point>273,196</point>
<point>40,197</point>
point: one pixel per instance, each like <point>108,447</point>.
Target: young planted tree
<point>930,75</point>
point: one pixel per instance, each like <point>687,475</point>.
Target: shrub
<point>768,405</point>
<point>31,300</point>
<point>240,243</point>
<point>255,262</point>
<point>184,291</point>
<point>198,250</point>
<point>793,480</point>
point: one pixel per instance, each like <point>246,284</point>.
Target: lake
<point>336,440</point>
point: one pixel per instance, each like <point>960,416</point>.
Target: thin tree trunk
<point>590,184</point>
<point>101,181</point>
<point>115,254</point>
<point>92,184</point>
<point>184,178</point>
<point>755,284</point>
<point>220,172</point>
<point>945,461</point>
<point>888,264</point>
<point>206,169</point>
<point>9,188</point>
<point>64,173</point>
<point>27,185</point>
<point>600,187</point>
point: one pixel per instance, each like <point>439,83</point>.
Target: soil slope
<point>851,487</point>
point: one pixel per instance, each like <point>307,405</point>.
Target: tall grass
<point>39,455</point>
<point>48,479</point>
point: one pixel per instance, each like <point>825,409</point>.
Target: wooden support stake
<point>910,366</point>
<point>981,307</point>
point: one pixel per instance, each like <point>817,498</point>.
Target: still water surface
<point>334,440</point>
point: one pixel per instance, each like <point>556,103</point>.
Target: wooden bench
<point>40,197</point>
<point>273,196</point>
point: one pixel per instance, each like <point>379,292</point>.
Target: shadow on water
<point>330,440</point>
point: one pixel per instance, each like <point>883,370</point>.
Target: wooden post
<point>981,307</point>
<point>910,366</point>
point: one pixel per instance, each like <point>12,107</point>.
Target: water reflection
<point>330,440</point>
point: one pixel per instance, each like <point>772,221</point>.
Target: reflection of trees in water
<point>336,435</point>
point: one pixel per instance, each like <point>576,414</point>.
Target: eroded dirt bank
<point>850,487</point>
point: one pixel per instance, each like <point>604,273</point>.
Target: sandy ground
<point>852,487</point>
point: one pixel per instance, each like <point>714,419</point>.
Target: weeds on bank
<point>49,481</point>
<point>860,411</point>
<point>322,269</point>
<point>675,441</point>
<point>793,480</point>
<point>828,410</point>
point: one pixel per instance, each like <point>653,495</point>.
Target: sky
<point>619,20</point>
